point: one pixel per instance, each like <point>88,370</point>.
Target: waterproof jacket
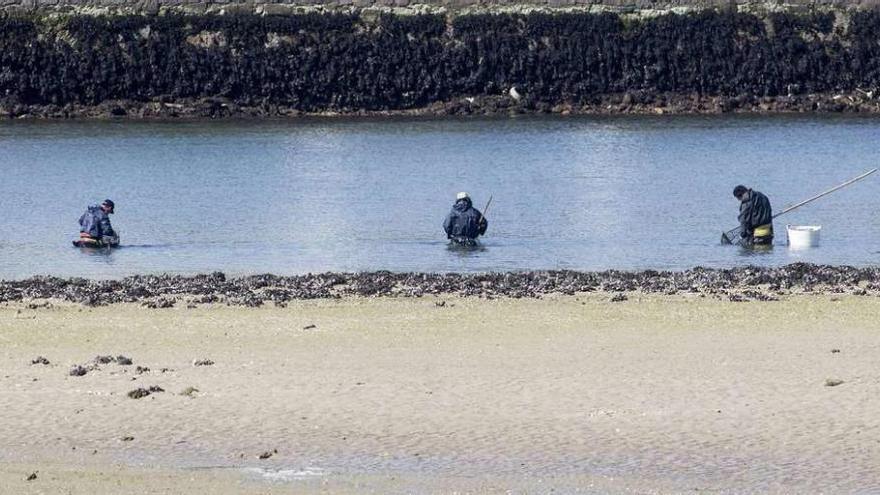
<point>754,211</point>
<point>96,223</point>
<point>464,221</point>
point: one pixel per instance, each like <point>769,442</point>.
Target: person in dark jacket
<point>464,223</point>
<point>755,216</point>
<point>94,225</point>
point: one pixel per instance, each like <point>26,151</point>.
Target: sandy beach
<point>443,394</point>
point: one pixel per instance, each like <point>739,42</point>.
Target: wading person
<point>94,226</point>
<point>464,223</point>
<point>755,217</point>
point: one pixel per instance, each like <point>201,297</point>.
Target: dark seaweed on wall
<point>316,62</point>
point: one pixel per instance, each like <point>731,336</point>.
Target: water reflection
<point>315,195</point>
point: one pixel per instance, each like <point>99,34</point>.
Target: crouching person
<point>464,223</point>
<point>95,229</point>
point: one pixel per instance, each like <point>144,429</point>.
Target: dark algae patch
<point>206,66</point>
<point>735,284</point>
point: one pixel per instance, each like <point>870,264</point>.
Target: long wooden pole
<point>726,236</point>
<point>814,198</point>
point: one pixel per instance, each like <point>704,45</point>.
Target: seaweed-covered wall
<point>348,62</point>
<point>629,7</point>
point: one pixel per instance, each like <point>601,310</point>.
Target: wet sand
<point>653,394</point>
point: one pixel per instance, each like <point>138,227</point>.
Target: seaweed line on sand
<point>734,284</point>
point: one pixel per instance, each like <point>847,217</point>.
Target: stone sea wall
<point>206,65</point>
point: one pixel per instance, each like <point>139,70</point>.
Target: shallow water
<point>314,195</point>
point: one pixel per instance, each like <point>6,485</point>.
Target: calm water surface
<point>307,196</point>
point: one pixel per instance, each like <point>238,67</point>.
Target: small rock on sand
<point>835,351</point>
<point>203,362</point>
<point>40,360</point>
<point>77,370</point>
<point>833,382</point>
<point>141,370</point>
<point>141,392</point>
<point>104,359</point>
<point>267,454</point>
<point>127,438</point>
<point>32,476</point>
<point>123,361</point>
<point>619,297</point>
<point>138,393</point>
<point>309,327</point>
<point>189,391</point>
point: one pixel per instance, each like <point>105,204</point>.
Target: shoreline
<point>658,394</point>
<point>619,104</point>
<point>166,291</point>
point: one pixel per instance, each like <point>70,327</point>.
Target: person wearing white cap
<point>464,223</point>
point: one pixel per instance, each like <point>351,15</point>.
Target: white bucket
<point>803,236</point>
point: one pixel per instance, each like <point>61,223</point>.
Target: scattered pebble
<point>159,303</point>
<point>32,476</point>
<point>138,393</point>
<point>77,370</point>
<point>835,351</point>
<point>833,382</point>
<point>267,454</point>
<point>40,360</point>
<point>440,304</point>
<point>141,392</point>
<point>123,361</point>
<point>103,359</point>
<point>127,439</point>
<point>189,391</point>
<point>141,370</point>
<point>203,362</point>
<point>620,297</point>
<point>309,327</point>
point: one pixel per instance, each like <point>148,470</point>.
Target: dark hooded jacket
<point>464,221</point>
<point>754,211</point>
<point>96,223</point>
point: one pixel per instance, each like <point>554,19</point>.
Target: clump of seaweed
<point>748,283</point>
